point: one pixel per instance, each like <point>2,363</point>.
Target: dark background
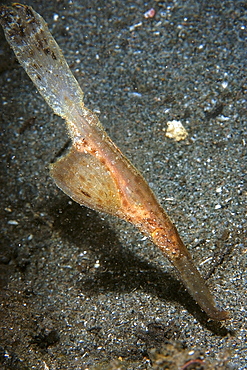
<point>78,288</point>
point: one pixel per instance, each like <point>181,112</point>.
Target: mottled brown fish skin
<point>135,202</point>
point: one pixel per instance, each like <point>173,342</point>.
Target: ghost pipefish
<point>95,173</point>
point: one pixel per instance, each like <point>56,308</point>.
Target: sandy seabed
<point>82,290</point>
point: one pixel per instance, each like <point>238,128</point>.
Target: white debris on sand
<point>175,130</point>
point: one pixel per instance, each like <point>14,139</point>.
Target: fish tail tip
<point>219,315</point>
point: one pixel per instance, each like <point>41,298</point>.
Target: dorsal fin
<point>85,179</point>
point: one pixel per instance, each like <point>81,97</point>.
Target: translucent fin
<point>87,181</point>
<point>41,57</point>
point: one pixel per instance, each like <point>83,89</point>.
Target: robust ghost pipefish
<point>95,173</point>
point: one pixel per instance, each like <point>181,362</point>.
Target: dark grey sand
<point>79,288</point>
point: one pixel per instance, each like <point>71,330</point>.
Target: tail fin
<point>41,57</point>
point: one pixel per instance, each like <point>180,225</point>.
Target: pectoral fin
<point>85,179</point>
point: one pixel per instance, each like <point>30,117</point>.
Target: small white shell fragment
<point>150,13</point>
<point>218,206</point>
<point>13,222</point>
<point>219,189</point>
<point>176,130</point>
<point>134,26</point>
<point>97,264</point>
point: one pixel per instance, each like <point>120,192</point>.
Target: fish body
<point>94,172</point>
